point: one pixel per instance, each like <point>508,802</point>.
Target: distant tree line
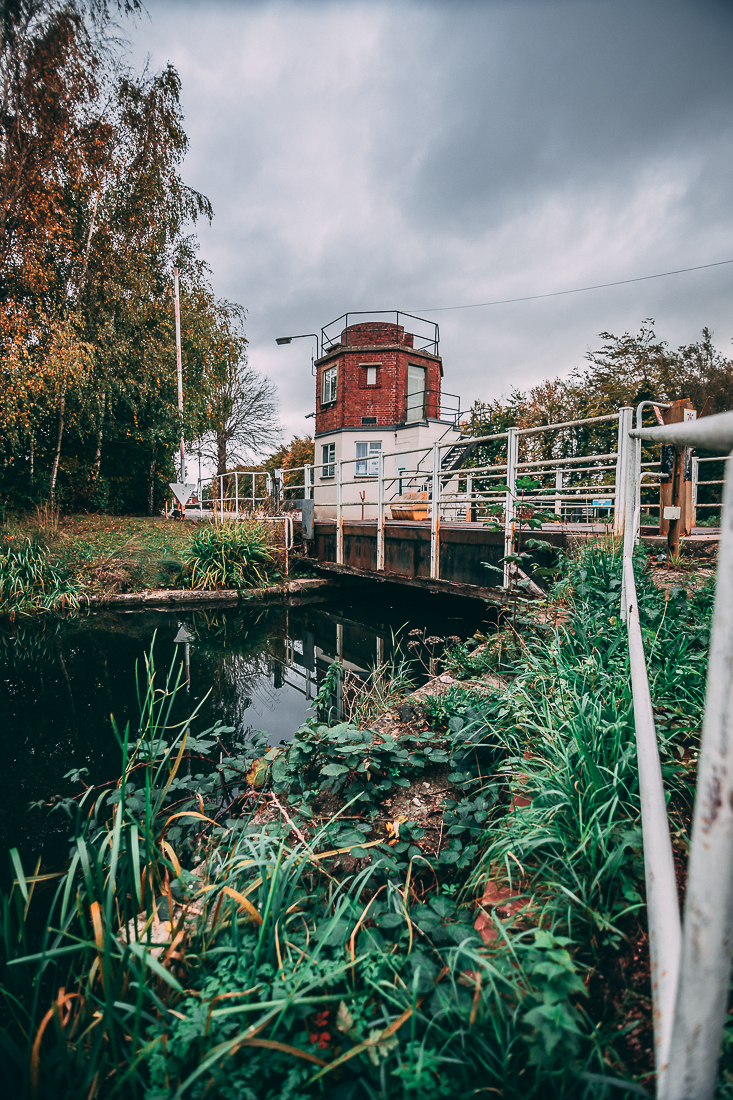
<point>625,370</point>
<point>94,215</point>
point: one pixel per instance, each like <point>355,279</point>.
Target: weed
<point>366,698</point>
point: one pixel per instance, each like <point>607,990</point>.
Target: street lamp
<point>303,336</point>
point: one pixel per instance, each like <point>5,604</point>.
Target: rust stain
<point>715,802</point>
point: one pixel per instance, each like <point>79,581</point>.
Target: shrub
<point>231,555</point>
<point>30,582</point>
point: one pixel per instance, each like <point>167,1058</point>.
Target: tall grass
<point>571,847</point>
<point>228,555</point>
<point>30,582</point>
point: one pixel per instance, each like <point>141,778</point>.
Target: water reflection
<point>251,668</point>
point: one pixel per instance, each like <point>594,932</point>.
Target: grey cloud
<point>407,155</point>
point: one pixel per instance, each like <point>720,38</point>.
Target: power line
<point>576,290</point>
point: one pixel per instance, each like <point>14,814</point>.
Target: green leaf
<point>334,769</point>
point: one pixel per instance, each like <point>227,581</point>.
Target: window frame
<point>367,464</point>
<point>410,410</point>
<point>328,460</point>
<point>364,383</point>
<point>329,378</point>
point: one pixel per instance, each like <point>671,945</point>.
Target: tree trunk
<point>151,484</point>
<point>57,455</point>
<point>221,454</point>
<point>98,454</point>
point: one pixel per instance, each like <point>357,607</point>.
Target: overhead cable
<point>575,290</point>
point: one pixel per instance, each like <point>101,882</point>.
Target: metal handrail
<point>690,979</point>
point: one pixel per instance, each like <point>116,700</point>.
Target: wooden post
<point>676,514</point>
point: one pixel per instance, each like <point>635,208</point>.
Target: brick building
<point>378,390</point>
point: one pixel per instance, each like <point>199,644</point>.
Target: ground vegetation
<point>447,899</point>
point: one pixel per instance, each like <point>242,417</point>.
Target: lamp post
<point>303,336</point>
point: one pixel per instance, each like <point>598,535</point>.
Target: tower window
<point>369,375</point>
<point>367,455</point>
<point>369,420</point>
<point>330,383</point>
<point>415,392</point>
<point>329,460</point>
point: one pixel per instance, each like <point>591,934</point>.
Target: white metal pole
<point>695,479</point>
<point>629,498</point>
<point>558,491</point>
<point>512,457</point>
<point>704,982</point>
<point>625,423</point>
<point>435,516</point>
<point>236,492</point>
<point>663,913</point>
<point>339,515</point>
<point>221,496</point>
<point>179,367</point>
<point>380,512</point>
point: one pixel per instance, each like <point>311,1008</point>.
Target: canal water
<point>253,668</point>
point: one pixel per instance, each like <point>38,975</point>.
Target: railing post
<point>469,498</point>
<point>704,981</point>
<point>221,497</point>
<point>435,516</point>
<point>380,512</point>
<point>629,505</point>
<point>254,505</point>
<point>623,447</point>
<point>339,515</point>
<point>558,491</point>
<point>512,457</point>
<point>236,493</point>
<point>308,482</point>
<point>695,479</point>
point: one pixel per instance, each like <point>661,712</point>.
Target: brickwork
<point>388,349</point>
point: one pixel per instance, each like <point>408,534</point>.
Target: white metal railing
<point>690,960</point>
<point>582,486</point>
<point>453,494</point>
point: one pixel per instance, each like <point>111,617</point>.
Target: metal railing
<point>467,493</point>
<point>690,959</point>
<point>424,336</point>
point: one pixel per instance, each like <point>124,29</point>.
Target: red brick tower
<point>378,393</point>
<point>374,375</point>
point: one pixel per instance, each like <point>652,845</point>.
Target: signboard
<point>182,493</point>
<point>607,503</point>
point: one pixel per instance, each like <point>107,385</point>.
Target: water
<point>253,668</point>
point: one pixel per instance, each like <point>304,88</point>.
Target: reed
<point>228,555</point>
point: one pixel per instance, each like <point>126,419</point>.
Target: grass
<point>30,582</point>
<point>257,922</point>
<point>108,554</point>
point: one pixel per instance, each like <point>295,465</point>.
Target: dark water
<point>254,668</point>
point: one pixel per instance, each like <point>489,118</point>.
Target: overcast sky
<point>363,155</point>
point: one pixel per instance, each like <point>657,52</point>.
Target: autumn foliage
<point>94,214</point>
